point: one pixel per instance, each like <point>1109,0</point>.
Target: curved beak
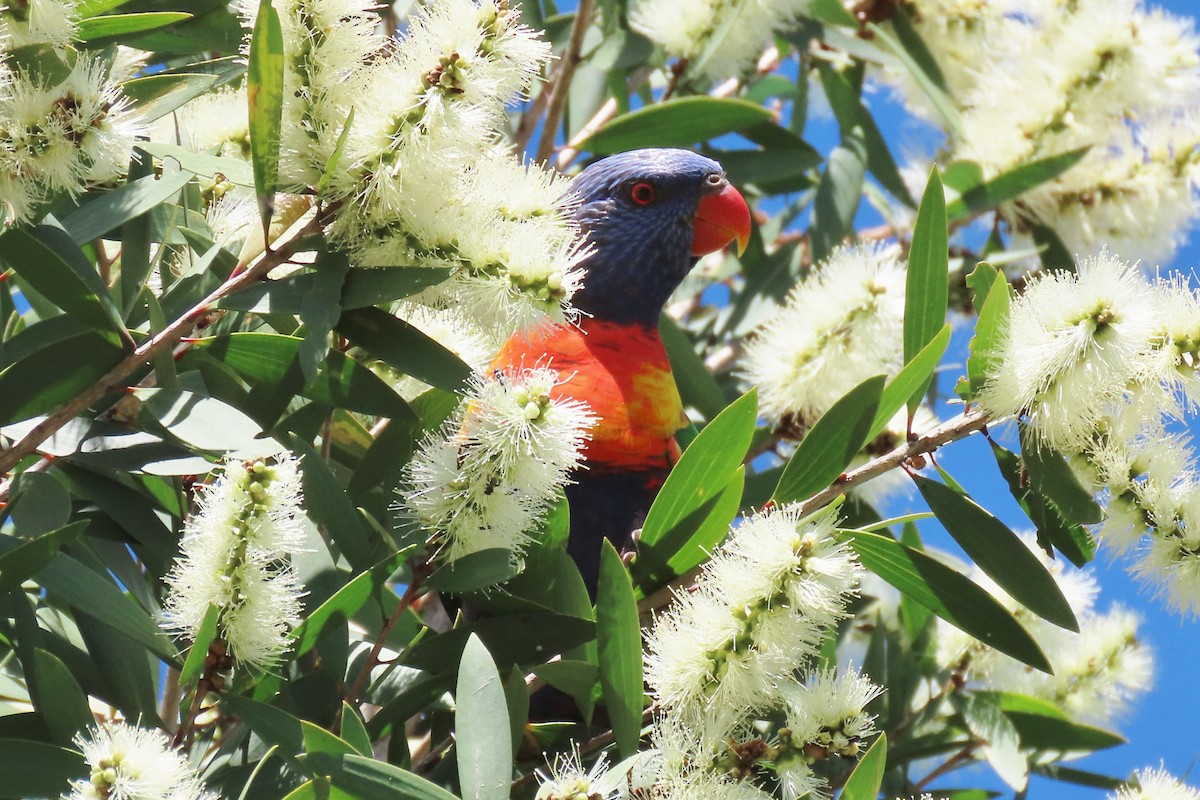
<point>721,217</point>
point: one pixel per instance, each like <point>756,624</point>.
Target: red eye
<point>642,193</point>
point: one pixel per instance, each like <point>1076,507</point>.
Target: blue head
<point>648,215</point>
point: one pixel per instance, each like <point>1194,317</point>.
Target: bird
<point>647,215</point>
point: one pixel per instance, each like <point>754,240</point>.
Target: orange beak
<point>721,218</point>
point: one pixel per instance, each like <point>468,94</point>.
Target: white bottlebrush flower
<point>826,718</point>
<point>1156,784</point>
<point>1171,561</point>
<point>60,138</point>
<point>1177,344</point>
<point>841,325</point>
<point>234,556</point>
<point>1096,671</point>
<point>217,122</point>
<point>498,464</point>
<point>759,612</point>
<point>689,30</point>
<point>1111,75</point>
<point>569,781</point>
<point>132,763</point>
<point>1072,346</point>
<point>52,22</point>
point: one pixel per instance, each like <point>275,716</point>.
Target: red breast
<point>622,373</point>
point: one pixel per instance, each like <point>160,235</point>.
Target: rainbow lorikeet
<point>648,215</point>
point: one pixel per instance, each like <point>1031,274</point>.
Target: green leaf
<point>838,194</point>
<point>484,755</point>
<point>1069,538</point>
<point>347,600</point>
<point>99,598</point>
<point>832,12</point>
<point>1012,184</point>
<point>1001,746</point>
<point>705,468</point>
<point>998,551</point>
<point>690,543</point>
<point>58,698</point>
<point>1052,476</point>
<point>405,348</point>
<point>523,639</point>
<point>273,725</point>
<point>697,386</point>
<point>365,777</point>
<point>335,158</point>
<point>1052,734</point>
<point>989,330</point>
<point>39,504</point>
<point>851,113</point>
<point>55,374</point>
<point>329,505</point>
<point>928,83</point>
<point>46,265</point>
<point>681,122</point>
<point>948,594</point>
<point>341,381</point>
<point>155,96</point>
<point>23,561</point>
<point>354,731</point>
<point>475,571</point>
<point>33,769</point>
<point>193,665</point>
<point>831,443</point>
<point>1079,776</point>
<point>90,8</point>
<point>362,288</point>
<point>319,740</point>
<point>1051,250</point>
<point>205,164</point>
<point>864,782</point>
<point>911,379</point>
<point>264,88</point>
<point>319,311</point>
<point>108,211</point>
<point>619,636</point>
<point>121,24</point>
<point>926,292</point>
<point>206,423</point>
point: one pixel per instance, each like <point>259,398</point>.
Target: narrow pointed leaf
<point>354,731</point>
<point>705,468</point>
<point>111,210</point>
<point>684,121</point>
<point>619,636</point>
<point>949,594</point>
<point>912,378</point>
<point>926,292</point>
<point>998,552</point>
<point>1052,476</point>
<point>58,698</point>
<point>831,443</point>
<point>1053,529</point>
<point>264,88</point>
<point>838,194</point>
<point>993,316</point>
<point>864,782</point>
<point>1012,184</point>
<point>121,24</point>
<point>63,277</point>
<point>198,652</point>
<point>25,560</point>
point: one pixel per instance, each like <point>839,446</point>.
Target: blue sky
<point>1162,727</point>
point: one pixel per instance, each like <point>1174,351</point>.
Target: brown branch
<point>562,83</point>
<point>114,379</point>
<point>951,764</point>
<point>958,428</point>
<point>415,587</point>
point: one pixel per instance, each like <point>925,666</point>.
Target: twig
<point>430,759</point>
<point>562,83</point>
<point>960,427</point>
<point>950,765</point>
<point>415,587</point>
<point>606,112</point>
<point>114,379</point>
